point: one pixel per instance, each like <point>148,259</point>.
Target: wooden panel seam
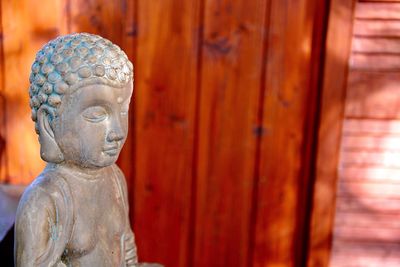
<point>195,154</point>
<point>260,130</point>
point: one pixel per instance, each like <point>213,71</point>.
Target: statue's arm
<point>33,232</point>
<point>131,258</point>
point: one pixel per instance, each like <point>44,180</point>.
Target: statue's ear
<point>49,149</point>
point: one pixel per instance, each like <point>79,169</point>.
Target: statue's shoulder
<point>44,218</point>
<point>121,181</point>
<point>120,177</point>
<point>47,189</point>
<point>117,171</point>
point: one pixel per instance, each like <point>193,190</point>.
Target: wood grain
<point>376,45</point>
<point>373,127</point>
<point>377,28</point>
<point>378,174</point>
<point>288,111</point>
<point>369,190</point>
<point>364,261</point>
<point>373,95</point>
<point>368,204</point>
<point>102,17</point>
<point>332,109</point>
<point>377,10</point>
<point>367,197</point>
<point>165,98</point>
<point>368,254</point>
<point>371,234</point>
<point>225,107</point>
<point>3,121</point>
<point>384,159</point>
<point>389,143</point>
<point>24,32</point>
<point>126,160</point>
<point>368,220</point>
<point>231,71</point>
<point>375,62</point>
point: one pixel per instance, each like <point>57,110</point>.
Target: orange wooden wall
<point>219,156</point>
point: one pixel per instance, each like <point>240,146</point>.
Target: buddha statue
<point>75,213</point>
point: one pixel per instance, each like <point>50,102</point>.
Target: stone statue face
<point>79,96</point>
<point>93,123</point>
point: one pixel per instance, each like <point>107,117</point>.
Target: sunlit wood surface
<point>367,228</point>
<point>224,120</point>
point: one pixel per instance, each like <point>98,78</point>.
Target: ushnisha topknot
<point>72,61</point>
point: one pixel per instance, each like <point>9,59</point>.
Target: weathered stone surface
<point>75,213</point>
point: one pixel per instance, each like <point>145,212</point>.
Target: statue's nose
<point>115,136</point>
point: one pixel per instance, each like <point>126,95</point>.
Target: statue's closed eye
<point>95,114</point>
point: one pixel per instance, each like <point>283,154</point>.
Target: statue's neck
<point>78,171</point>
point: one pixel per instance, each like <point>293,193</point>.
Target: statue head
<point>80,89</point>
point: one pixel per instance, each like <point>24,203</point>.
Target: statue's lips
<point>112,150</point>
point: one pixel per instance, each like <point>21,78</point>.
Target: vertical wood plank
<point>128,44</point>
<point>102,17</point>
<point>231,72</point>
<point>331,115</point>
<point>288,120</point>
<point>3,154</point>
<point>26,27</point>
<point>165,97</point>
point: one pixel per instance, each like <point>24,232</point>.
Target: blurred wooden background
<point>367,226</point>
<point>235,125</point>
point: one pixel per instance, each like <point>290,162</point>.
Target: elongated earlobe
<point>49,149</point>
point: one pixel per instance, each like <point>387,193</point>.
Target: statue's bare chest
<point>99,219</point>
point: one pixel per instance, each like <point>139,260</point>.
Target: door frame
<point>331,113</point>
